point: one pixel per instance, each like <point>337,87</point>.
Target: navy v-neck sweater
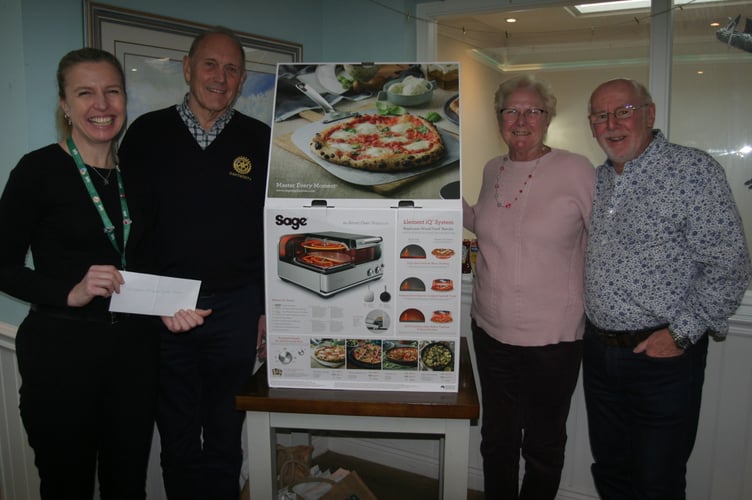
<point>207,205</point>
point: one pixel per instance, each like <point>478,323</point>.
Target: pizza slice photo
<point>380,143</point>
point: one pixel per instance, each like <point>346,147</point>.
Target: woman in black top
<point>89,377</point>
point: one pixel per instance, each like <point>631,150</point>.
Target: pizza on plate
<point>380,143</point>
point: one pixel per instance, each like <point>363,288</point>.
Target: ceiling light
<point>511,20</point>
<point>594,8</point>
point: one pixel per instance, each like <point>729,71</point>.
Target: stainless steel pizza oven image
<point>329,262</point>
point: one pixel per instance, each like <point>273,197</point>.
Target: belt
<point>621,338</point>
<point>79,314</point>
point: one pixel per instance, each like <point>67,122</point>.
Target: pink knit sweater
<point>528,288</point>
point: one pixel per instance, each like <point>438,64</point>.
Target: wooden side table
<point>447,415</point>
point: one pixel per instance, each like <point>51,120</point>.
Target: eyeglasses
<point>531,114</point>
<point>621,113</point>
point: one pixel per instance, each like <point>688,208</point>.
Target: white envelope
<point>154,295</point>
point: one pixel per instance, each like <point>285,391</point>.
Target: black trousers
<point>88,399</point>
<point>526,394</point>
<point>201,373</point>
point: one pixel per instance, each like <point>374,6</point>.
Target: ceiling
<point>559,37</point>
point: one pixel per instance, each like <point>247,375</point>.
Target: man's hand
<point>659,345</point>
<point>185,319</point>
<point>261,338</point>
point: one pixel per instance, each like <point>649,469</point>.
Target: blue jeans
<point>642,417</point>
<point>201,373</point>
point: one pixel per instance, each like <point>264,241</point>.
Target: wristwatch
<point>680,340</point>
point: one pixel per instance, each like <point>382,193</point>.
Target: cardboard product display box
<point>363,266</point>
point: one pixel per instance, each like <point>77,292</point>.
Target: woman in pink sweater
<point>531,221</point>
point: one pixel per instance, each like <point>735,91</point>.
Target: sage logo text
<point>293,222</point>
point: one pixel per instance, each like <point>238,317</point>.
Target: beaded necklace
<point>499,185</point>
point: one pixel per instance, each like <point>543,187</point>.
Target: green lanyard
<point>109,228</point>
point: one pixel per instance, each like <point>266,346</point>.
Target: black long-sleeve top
<point>46,208</point>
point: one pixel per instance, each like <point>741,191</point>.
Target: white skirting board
<point>18,476</point>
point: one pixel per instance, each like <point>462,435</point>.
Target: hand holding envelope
<point>185,319</point>
<point>154,295</point>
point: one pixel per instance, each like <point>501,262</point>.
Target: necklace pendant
<point>106,182</point>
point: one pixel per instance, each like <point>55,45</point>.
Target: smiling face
<point>524,134</point>
<point>215,76</point>
<point>94,101</point>
<point>622,139</point>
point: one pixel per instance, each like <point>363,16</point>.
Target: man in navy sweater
<point>201,166</point>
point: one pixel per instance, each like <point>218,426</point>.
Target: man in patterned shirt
<point>666,265</point>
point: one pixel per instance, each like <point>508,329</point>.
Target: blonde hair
<point>69,60</point>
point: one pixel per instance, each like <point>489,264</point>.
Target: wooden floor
<point>385,482</point>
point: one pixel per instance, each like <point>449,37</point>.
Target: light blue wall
<point>376,32</point>
<point>36,33</point>
<point>13,129</point>
<point>14,136</point>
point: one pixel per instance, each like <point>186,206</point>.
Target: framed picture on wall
<point>151,50</point>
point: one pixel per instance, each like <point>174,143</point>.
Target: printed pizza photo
<point>331,353</point>
<point>316,244</point>
<point>442,285</point>
<point>324,261</point>
<point>441,317</point>
<point>367,353</point>
<point>442,253</point>
<point>403,354</point>
<point>380,143</point>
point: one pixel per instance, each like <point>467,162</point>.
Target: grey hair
<point>641,91</point>
<point>219,30</point>
<point>539,86</point>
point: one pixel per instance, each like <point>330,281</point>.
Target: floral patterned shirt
<point>666,244</point>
